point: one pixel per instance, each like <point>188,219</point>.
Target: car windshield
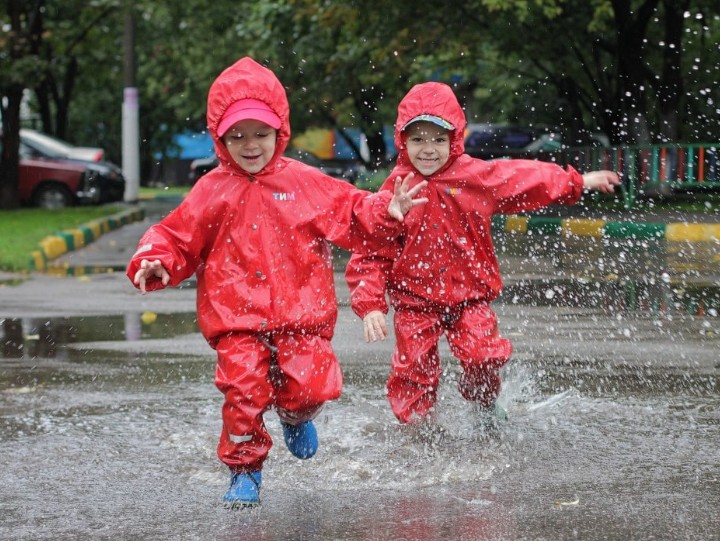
<point>45,144</point>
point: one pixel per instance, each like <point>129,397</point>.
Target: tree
<point>639,70</point>
<point>19,61</point>
<point>346,64</point>
<point>699,114</point>
<point>179,54</point>
<point>616,65</point>
<point>72,36</point>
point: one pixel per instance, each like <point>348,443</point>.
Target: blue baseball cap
<point>430,118</point>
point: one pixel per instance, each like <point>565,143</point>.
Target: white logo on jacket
<point>143,248</point>
<point>284,196</point>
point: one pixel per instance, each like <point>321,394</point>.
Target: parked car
<point>52,147</point>
<point>200,166</point>
<point>491,141</point>
<point>49,183</point>
<point>60,182</point>
<point>494,141</point>
<point>349,170</point>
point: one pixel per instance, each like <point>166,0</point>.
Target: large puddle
<point>101,443</point>
<point>107,430</point>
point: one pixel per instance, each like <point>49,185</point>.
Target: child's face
<point>251,143</point>
<point>428,146</point>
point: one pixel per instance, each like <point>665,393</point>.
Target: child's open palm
<point>403,200</point>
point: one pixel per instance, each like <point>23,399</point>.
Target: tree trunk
<point>631,29</point>
<point>9,159</point>
<point>670,92</point>
<point>42,95</point>
<point>366,103</point>
<point>376,147</point>
<point>62,106</point>
<point>10,100</point>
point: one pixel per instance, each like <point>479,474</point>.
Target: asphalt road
<point>613,431</point>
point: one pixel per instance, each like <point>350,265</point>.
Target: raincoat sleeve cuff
<point>575,187</point>
<point>389,224</point>
<point>363,308</point>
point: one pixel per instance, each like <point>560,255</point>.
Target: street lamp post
<point>130,115</point>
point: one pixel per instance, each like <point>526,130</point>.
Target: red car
<point>50,182</point>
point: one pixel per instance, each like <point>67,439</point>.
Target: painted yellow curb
<point>516,224</point>
<point>37,260</point>
<point>96,227</point>
<point>56,245</point>
<point>78,237</point>
<point>679,232</point>
<point>583,227</point>
<point>53,246</point>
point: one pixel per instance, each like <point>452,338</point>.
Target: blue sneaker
<point>301,439</point>
<point>244,490</point>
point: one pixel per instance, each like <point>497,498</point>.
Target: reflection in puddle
<point>618,295</point>
<point>12,339</point>
<point>12,282</point>
<point>69,270</point>
<point>616,275</point>
<point>42,337</point>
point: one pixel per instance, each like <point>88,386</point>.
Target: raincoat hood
<point>436,99</point>
<point>247,79</point>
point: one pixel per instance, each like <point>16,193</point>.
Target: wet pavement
<point>109,416</point>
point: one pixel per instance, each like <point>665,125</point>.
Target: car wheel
<point>52,196</point>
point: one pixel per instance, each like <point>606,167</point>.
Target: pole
<point>130,115</point>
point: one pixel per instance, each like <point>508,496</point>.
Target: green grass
<point>22,229</point>
<point>148,193</point>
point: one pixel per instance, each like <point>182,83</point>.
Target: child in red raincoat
<point>442,273</point>
<point>255,232</point>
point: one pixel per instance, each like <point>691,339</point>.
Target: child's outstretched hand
<point>602,181</point>
<point>403,201</point>
<point>375,328</point>
<point>147,270</point>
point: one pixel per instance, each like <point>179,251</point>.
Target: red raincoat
<point>258,244</point>
<point>445,260</point>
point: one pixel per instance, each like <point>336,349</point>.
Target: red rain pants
<point>472,333</point>
<point>294,373</point>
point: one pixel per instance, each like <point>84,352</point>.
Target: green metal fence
<point>651,169</point>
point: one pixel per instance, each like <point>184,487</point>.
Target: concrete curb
<point>67,240</point>
<point>599,228</point>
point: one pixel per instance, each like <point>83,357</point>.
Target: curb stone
<point>67,240</point>
<point>600,228</point>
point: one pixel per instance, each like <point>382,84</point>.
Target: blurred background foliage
<point>640,71</point>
